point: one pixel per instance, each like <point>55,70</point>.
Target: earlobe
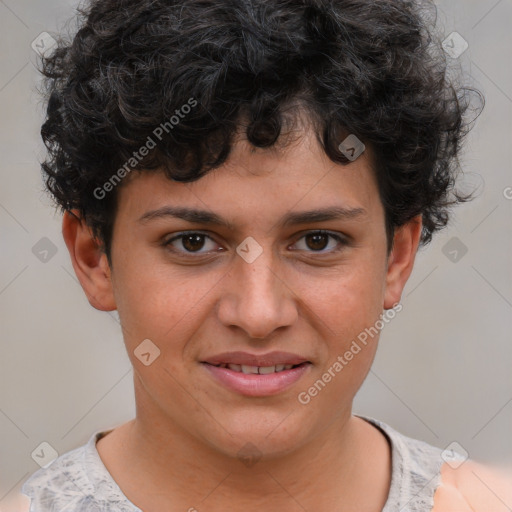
<point>401,260</point>
<point>89,262</point>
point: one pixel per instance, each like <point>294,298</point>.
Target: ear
<point>401,260</point>
<point>89,261</point>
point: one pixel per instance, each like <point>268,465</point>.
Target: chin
<point>272,434</point>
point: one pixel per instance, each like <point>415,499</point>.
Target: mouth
<point>239,359</point>
<point>257,376</point>
<point>260,370</point>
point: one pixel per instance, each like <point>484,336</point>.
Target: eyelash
<point>341,240</point>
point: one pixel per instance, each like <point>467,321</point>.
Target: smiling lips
<point>261,370</point>
<point>257,375</point>
<point>263,360</point>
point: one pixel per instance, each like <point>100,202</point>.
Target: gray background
<point>443,368</point>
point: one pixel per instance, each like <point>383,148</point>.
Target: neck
<point>164,467</point>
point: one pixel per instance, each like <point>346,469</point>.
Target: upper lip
<point>245,358</point>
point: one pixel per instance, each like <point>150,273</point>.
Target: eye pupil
<point>316,237</point>
<point>197,242</point>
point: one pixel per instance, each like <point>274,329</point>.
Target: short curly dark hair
<point>373,68</point>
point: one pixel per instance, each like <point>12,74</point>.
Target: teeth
<point>261,370</point>
<point>249,369</point>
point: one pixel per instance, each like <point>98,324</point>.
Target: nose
<point>256,297</point>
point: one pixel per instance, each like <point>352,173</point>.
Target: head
<point>222,122</point>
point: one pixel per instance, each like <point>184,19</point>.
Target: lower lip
<point>256,384</point>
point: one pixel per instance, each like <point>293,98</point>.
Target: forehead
<point>255,183</point>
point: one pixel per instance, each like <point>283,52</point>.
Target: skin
<point>474,487</point>
<point>300,296</point>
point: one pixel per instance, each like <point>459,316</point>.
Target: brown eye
<point>318,241</point>
<point>190,243</point>
<point>193,242</point>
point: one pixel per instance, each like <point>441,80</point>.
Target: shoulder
<point>62,480</point>
<point>75,479</point>
<point>473,487</point>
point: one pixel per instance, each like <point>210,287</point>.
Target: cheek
<point>348,309</point>
<point>345,302</point>
<point>162,304</point>
<point>348,306</point>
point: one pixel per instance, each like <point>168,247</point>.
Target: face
<point>259,281</point>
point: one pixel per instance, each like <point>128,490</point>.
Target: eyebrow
<point>196,216</point>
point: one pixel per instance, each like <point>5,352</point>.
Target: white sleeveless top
<point>78,481</point>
